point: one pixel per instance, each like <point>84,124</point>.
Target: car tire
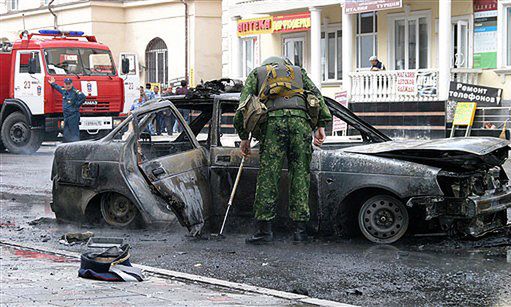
<point>118,211</point>
<point>18,137</point>
<point>383,219</point>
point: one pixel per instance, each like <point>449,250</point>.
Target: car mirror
<point>125,66</point>
<point>32,66</point>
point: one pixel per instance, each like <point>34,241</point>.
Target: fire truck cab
<point>31,110</point>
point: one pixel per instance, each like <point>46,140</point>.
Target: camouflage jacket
<point>250,88</point>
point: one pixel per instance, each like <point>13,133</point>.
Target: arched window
<point>156,58</point>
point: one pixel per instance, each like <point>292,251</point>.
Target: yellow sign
<point>254,26</point>
<point>464,114</point>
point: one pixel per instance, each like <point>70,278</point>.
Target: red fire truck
<point>31,111</point>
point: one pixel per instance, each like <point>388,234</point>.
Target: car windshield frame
<point>81,69</point>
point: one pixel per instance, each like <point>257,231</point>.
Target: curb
<point>297,298</point>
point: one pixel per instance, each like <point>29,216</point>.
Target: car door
<point>29,85</point>
<point>177,168</point>
<point>131,79</point>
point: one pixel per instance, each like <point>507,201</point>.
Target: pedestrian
<point>160,118</point>
<point>72,100</point>
<point>376,65</point>
<point>287,132</point>
<point>148,92</point>
<point>139,102</point>
<point>183,90</point>
<point>168,117</point>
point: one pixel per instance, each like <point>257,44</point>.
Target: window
<point>157,61</point>
<point>249,46</point>
<point>25,59</point>
<point>460,56</point>
<point>410,41</point>
<point>152,146</point>
<point>12,5</point>
<point>293,50</point>
<point>331,55</point>
<point>79,61</point>
<point>367,38</point>
<point>508,36</point>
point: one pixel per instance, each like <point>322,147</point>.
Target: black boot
<point>262,235</point>
<point>300,235</point>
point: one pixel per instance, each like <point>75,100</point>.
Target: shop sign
<point>485,5</point>
<point>426,84</point>
<point>338,125</point>
<point>485,39</point>
<point>406,83</point>
<point>362,6</point>
<point>474,93</point>
<point>292,23</point>
<point>255,26</point>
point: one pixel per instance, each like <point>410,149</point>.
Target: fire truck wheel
<point>17,136</point>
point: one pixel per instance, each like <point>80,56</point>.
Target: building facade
<point>423,44</point>
<point>173,39</point>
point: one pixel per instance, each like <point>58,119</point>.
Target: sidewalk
<point>31,277</point>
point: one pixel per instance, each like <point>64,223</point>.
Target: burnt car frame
<point>363,182</point>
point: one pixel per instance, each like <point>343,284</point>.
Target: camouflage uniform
<point>286,133</point>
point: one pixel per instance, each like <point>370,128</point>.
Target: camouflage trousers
<point>285,136</point>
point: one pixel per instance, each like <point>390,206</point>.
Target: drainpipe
<point>53,13</point>
<point>186,39</point>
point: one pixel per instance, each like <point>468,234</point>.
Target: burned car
<point>361,180</point>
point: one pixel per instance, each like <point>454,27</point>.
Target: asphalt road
<point>416,271</point>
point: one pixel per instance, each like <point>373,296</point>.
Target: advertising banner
<point>292,23</point>
<point>362,6</point>
<point>254,26</point>
<point>339,125</point>
<point>485,5</point>
<point>406,83</point>
<point>485,39</point>
<point>474,93</point>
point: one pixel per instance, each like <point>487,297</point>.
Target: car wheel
<point>383,219</point>
<point>117,210</point>
<point>18,137</point>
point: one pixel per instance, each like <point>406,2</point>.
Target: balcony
<point>403,85</point>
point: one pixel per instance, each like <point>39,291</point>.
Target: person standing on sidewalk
<point>183,90</point>
<point>287,132</point>
<point>72,100</point>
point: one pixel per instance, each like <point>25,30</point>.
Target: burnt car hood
<point>462,152</point>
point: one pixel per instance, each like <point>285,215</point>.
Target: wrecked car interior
<point>361,180</point>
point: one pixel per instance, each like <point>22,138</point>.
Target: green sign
<point>485,39</point>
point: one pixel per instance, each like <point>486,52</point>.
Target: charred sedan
<point>361,181</point>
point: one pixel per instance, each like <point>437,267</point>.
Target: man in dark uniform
<point>72,99</point>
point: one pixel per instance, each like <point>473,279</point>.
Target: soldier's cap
<point>68,81</point>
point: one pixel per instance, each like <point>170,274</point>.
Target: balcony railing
<point>403,85</point>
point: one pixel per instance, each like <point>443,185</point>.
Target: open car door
<point>176,167</point>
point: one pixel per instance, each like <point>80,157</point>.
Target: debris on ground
<point>72,238</point>
<point>45,238</point>
<point>354,292</point>
<point>41,220</point>
<point>300,290</point>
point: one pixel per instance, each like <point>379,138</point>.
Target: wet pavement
<point>416,271</point>
<point>33,278</point>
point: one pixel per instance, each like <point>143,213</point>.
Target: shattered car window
<point>228,135</point>
<point>338,131</point>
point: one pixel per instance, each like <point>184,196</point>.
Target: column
<point>444,48</point>
<point>316,46</point>
<point>348,50</point>
<point>236,55</point>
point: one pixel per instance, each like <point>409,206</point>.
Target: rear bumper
<point>463,208</point>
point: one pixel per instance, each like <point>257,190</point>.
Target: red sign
<point>362,6</point>
<point>292,22</point>
<point>485,5</point>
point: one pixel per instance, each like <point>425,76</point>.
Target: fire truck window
<point>63,61</point>
<point>24,59</point>
<point>97,62</point>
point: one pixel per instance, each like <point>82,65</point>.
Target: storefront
<point>425,43</point>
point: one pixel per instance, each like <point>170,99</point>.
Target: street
<point>414,271</point>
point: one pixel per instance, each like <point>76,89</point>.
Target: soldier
<point>286,132</point>
<point>72,100</point>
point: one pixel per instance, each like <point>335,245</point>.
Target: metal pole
<point>238,176</point>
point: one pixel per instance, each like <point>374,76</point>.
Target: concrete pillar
<point>236,54</point>
<point>348,49</point>
<point>316,46</point>
<point>444,48</point>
